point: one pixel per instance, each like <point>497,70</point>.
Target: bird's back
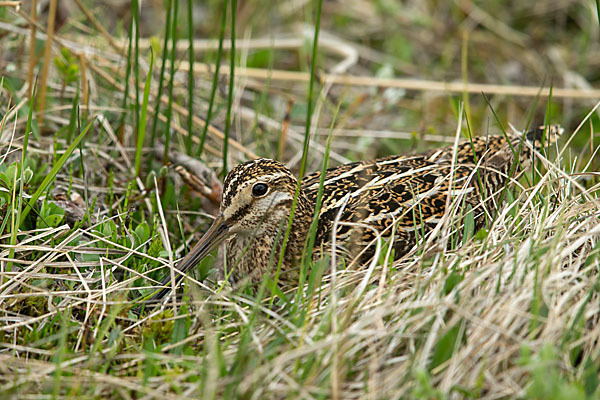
<point>409,194</point>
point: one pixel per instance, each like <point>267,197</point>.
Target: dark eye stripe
<point>239,214</point>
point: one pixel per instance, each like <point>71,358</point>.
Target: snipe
<point>408,191</point>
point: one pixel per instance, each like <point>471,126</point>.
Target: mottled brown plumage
<point>370,198</point>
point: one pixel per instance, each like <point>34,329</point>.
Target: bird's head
<point>257,196</point>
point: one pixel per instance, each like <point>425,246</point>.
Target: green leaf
<point>446,346</point>
<point>481,234</point>
<point>453,279</point>
<point>27,175</point>
<point>5,181</point>
<point>7,177</point>
<point>107,229</point>
<point>143,232</point>
<point>50,216</point>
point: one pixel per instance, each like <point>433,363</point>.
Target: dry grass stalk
<point>41,101</point>
<point>409,84</point>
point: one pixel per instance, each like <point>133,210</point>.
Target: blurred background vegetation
<point>524,43</point>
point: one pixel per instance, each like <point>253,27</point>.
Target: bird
<point>401,197</point>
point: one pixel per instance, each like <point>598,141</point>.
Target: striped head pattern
<point>257,194</point>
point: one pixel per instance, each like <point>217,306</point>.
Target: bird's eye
<point>259,189</point>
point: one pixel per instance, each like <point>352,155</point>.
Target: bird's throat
<point>251,256</point>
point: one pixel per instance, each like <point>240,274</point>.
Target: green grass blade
<point>60,352</point>
<point>312,233</point>
<point>52,174</point>
<point>309,105</point>
<point>127,73</point>
<point>231,85</point>
<point>598,11</point>
<point>161,76</point>
<point>135,21</point>
<point>190,119</point>
<point>142,125</point>
<point>16,214</point>
<point>306,139</point>
<point>215,81</point>
<point>73,116</point>
<point>169,111</point>
<point>136,59</point>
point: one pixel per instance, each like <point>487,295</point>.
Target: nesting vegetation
<point>112,145</point>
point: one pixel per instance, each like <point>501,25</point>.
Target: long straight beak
<point>215,235</point>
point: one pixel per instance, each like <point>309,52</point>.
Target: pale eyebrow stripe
<point>261,178</point>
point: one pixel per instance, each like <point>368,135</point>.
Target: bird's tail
<point>544,135</point>
<point>502,159</point>
<point>523,144</point>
